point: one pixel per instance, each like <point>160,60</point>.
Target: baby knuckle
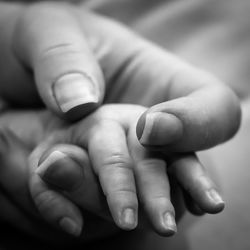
<point>118,160</point>
<point>45,199</point>
<point>123,196</point>
<point>151,164</point>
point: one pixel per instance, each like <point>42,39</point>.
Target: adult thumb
<point>49,41</point>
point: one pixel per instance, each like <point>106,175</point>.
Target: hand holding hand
<point>120,161</point>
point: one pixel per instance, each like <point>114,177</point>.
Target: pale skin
<point>140,73</point>
<point>127,172</point>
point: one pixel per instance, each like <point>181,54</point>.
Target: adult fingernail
<point>169,223</point>
<point>161,129</point>
<point>60,170</point>
<point>73,90</point>
<point>70,226</point>
<point>214,196</point>
<point>44,167</point>
<point>128,219</point>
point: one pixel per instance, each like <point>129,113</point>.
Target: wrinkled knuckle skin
<point>118,160</point>
<point>44,200</point>
<point>151,164</point>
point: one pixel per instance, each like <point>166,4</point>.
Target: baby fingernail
<point>73,90</point>
<point>70,226</point>
<point>161,129</point>
<point>44,166</point>
<point>214,196</point>
<point>169,223</point>
<point>128,219</point>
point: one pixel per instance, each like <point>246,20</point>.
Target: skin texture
<point>102,183</point>
<point>140,73</point>
<point>142,70</point>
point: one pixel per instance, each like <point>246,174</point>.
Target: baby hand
<point>127,172</point>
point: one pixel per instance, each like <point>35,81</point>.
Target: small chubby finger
<point>154,190</point>
<point>153,187</point>
<point>192,176</point>
<point>112,162</point>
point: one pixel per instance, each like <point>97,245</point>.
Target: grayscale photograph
<point>124,124</point>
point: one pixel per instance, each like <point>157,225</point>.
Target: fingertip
<point>209,201</point>
<point>128,219</point>
<point>213,202</point>
<point>76,95</point>
<point>200,192</point>
<point>162,218</point>
<point>70,226</point>
<point>124,210</point>
<point>167,226</point>
<point>80,111</point>
<point>153,187</point>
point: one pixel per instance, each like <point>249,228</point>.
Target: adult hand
<point>72,53</point>
<point>83,188</point>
